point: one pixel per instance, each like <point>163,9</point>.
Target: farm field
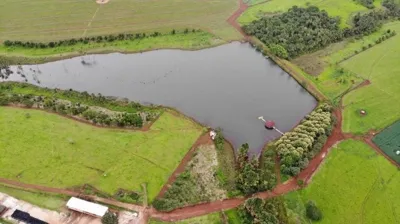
<point>190,40</point>
<point>354,185</point>
<point>214,218</point>
<point>76,18</point>
<point>63,153</point>
<point>342,8</point>
<point>321,67</point>
<point>389,141</point>
<point>378,64</point>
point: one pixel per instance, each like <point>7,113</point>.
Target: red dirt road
<point>232,19</point>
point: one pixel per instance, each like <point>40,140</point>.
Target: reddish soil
<point>202,140</point>
<point>232,19</point>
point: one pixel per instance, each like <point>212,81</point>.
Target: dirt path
<point>233,18</point>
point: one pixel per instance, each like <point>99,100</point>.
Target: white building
<point>87,207</point>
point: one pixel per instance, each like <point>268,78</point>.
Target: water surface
<point>228,86</point>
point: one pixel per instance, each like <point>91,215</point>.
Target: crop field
<point>342,8</point>
<point>354,185</point>
<point>46,20</point>
<point>63,153</point>
<point>378,64</point>
<point>389,141</point>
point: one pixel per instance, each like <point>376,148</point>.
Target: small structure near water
<point>270,125</point>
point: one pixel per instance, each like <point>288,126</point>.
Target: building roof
<point>87,207</point>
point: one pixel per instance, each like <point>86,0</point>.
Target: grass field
<point>49,201</point>
<point>47,20</point>
<point>62,153</point>
<point>354,185</point>
<point>214,218</point>
<point>191,41</point>
<point>342,8</point>
<point>389,141</point>
<point>380,65</point>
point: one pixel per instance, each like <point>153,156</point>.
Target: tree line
<point>304,30</point>
<point>267,211</point>
<point>88,40</point>
<point>253,174</point>
<point>297,147</point>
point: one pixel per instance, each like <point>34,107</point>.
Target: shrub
<point>109,218</point>
<point>312,211</point>
<point>279,51</point>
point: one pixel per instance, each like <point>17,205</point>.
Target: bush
<point>279,51</point>
<point>312,211</point>
<point>109,218</point>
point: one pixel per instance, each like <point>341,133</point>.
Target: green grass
<point>192,41</point>
<point>214,218</point>
<point>389,141</point>
<point>355,185</point>
<point>47,20</point>
<point>233,216</point>
<point>342,8</point>
<point>106,159</point>
<point>52,202</point>
<point>379,64</point>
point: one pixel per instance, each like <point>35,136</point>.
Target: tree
<point>279,51</point>
<point>312,211</point>
<point>109,218</point>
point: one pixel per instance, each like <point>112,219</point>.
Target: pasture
<point>48,20</point>
<point>342,8</point>
<point>354,185</point>
<point>50,150</point>
<point>378,64</point>
<point>389,141</point>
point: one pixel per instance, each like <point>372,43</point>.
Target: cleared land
<point>76,18</point>
<point>379,64</point>
<point>389,141</point>
<point>59,152</point>
<point>355,185</point>
<point>342,8</point>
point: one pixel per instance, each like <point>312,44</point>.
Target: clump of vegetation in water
<point>297,147</point>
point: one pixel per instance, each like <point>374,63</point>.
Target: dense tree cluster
<point>121,119</point>
<point>297,147</point>
<point>252,175</point>
<point>269,211</point>
<point>393,7</point>
<point>86,40</point>
<point>367,3</point>
<point>299,31</point>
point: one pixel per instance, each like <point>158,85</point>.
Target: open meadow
<point>380,65</point>
<point>342,8</point>
<point>354,185</point>
<point>49,20</point>
<point>46,149</point>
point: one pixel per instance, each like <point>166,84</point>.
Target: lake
<point>229,86</point>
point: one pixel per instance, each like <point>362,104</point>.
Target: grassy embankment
<point>380,65</point>
<point>49,20</point>
<point>190,41</point>
<point>49,201</point>
<point>354,185</point>
<point>62,153</point>
<point>214,218</point>
<point>342,8</point>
